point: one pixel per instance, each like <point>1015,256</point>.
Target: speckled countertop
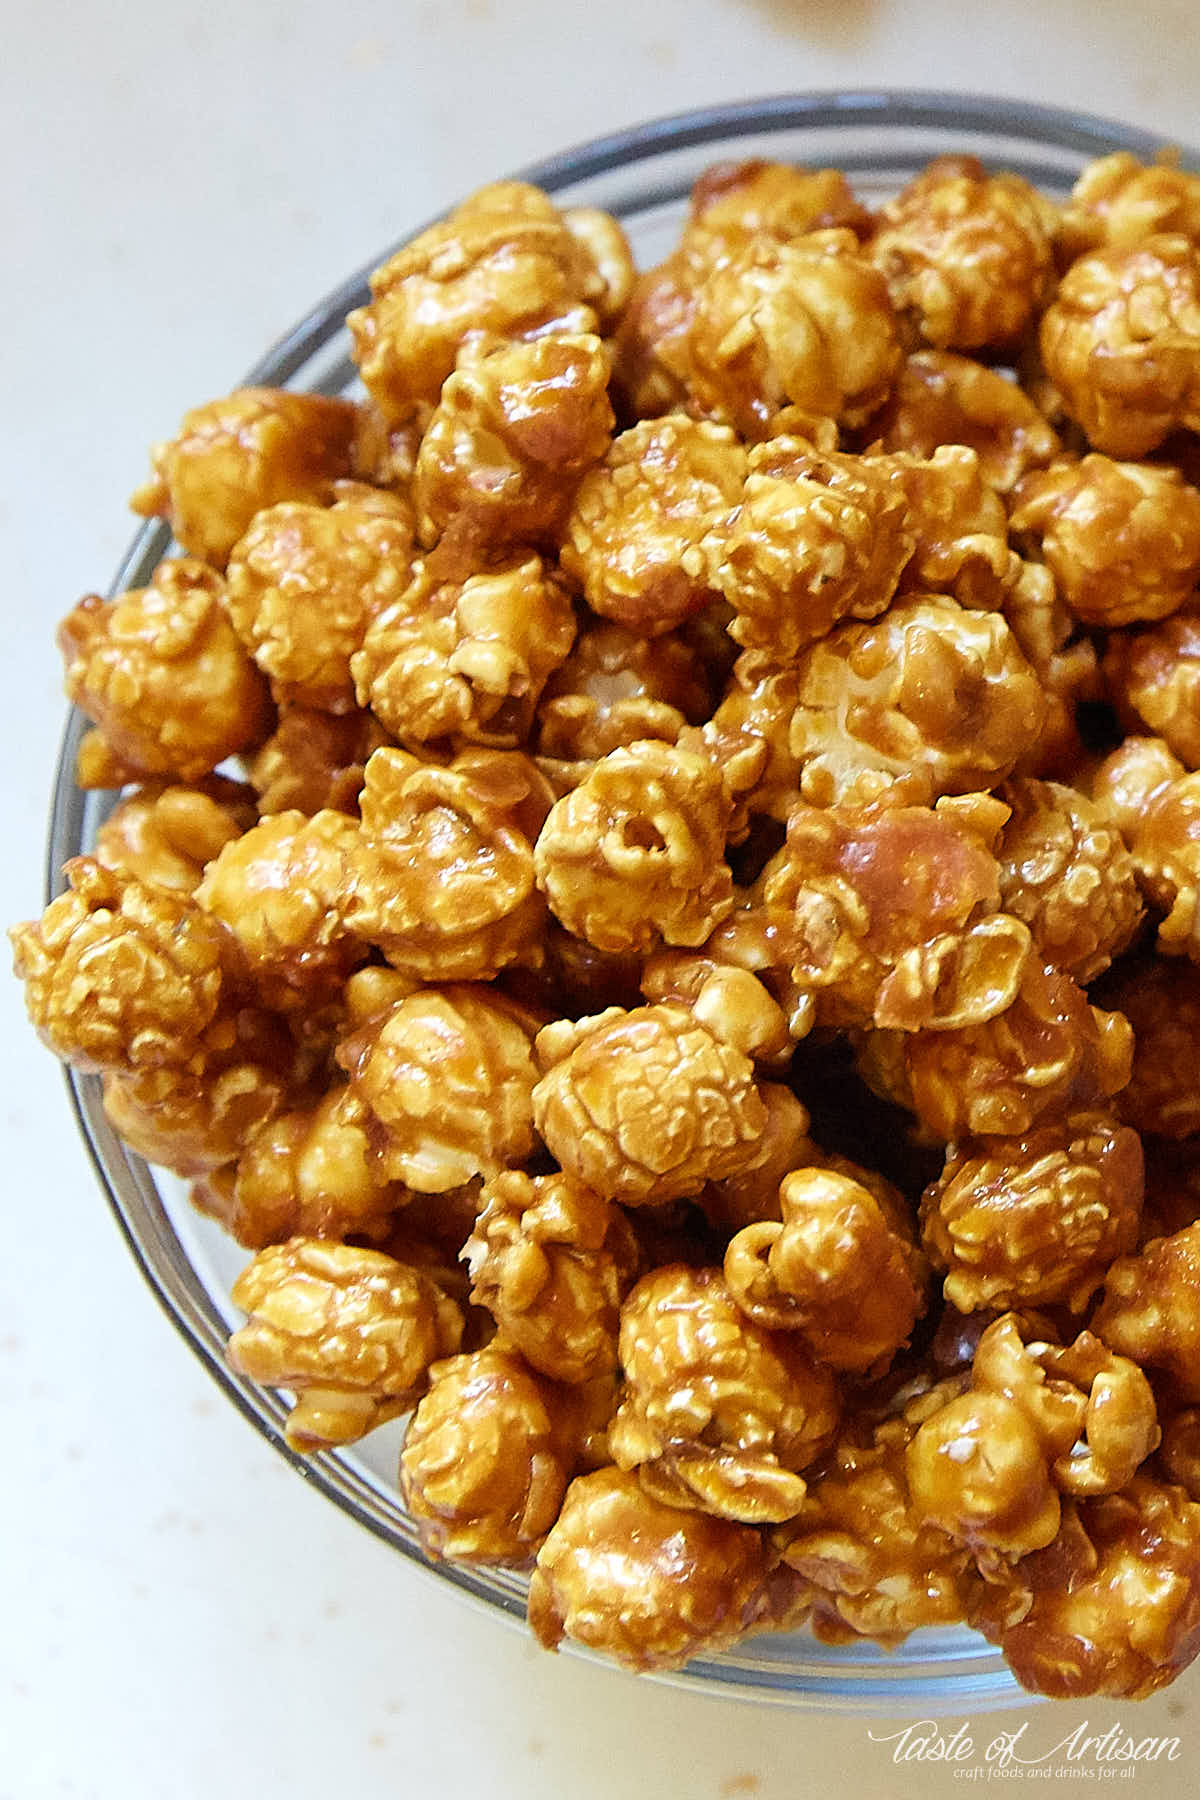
<point>182,1616</point>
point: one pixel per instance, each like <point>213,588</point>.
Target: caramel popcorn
<point>1162,1003</point>
<point>1150,1310</point>
<point>1119,201</point>
<point>1165,844</point>
<point>447,1076</point>
<point>305,581</point>
<point>1131,778</point>
<point>929,699</point>
<point>237,456</point>
<point>164,834</point>
<point>650,364</point>
<point>351,1332</point>
<point>161,672</point>
<point>747,739</point>
<point>647,1583</point>
<point>645,1106</point>
<point>503,264</point>
<point>314,760</point>
<point>465,660</point>
<point>1154,678</point>
<point>751,1194</point>
<point>513,432</point>
<point>1121,343</point>
<point>1179,1454</point>
<point>967,256</point>
<point>940,398</point>
<point>636,535</point>
<point>480,1472</point>
<point>1036,1218</point>
<point>717,1412</point>
<point>735,203</point>
<point>613,689</point>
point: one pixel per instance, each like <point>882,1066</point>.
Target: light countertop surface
<point>180,1615</point>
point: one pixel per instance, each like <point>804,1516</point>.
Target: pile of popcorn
<point>657,891</point>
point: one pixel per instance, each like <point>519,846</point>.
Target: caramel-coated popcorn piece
<point>977,1470</point>
<point>815,539</point>
<point>1153,677</point>
<point>282,890</point>
<point>162,673</point>
<point>233,457</point>
<point>119,975</point>
<point>1112,1607</point>
<point>1179,1454</point>
<point>806,323</point>
<point>635,854</point>
<point>613,689</point>
<point>481,1472</point>
<point>645,1106</point>
<point>1165,845</point>
<point>305,581</point>
<point>1131,778</point>
<point>1121,539</point>
<point>748,740</point>
<point>716,1412</point>
<point>1161,1000</point>
<point>649,1584</point>
<point>967,255</point>
<point>313,760</point>
<point>351,1332</point>
<point>930,699</point>
<point>635,535</point>
<point>650,366</point>
<point>1066,872</point>
<point>1048,1050</point>
<point>1121,342</point>
<point>751,1194</point>
<point>513,432</point>
<point>957,522</point>
<point>1118,201</point>
<point>941,399</point>
<point>1030,1220</point>
<point>447,1075</point>
<point>465,660</point>
<point>165,833</point>
<point>505,263</point>
<point>546,1259</point>
<point>732,1001</point>
<point>443,878</point>
<point>1150,1310</point>
<point>734,202</point>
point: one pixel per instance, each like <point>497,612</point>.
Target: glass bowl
<point>643,175</point>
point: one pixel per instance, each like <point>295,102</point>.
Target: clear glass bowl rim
<point>124,1178</point>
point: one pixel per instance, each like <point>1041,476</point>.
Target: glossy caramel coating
<point>967,255</point>
<point>940,398</point>
<point>1028,1220</point>
<point>1154,678</point>
<point>314,760</point>
<point>1066,872</point>
<point>1121,343</point>
<point>234,457</point>
<point>162,674</point>
<point>165,833</point>
<point>751,1194</point>
<point>747,738</point>
<point>645,1582</point>
<point>1165,845</point>
<point>1161,1000</point>
<point>734,202</point>
<point>481,1472</point>
<point>613,689</point>
<point>1128,781</point>
<point>1150,1309</point>
<point>351,1332</point>
<point>1118,201</point>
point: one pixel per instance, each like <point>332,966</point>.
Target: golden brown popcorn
<point>1165,845</point>
<point>648,1584</point>
<point>163,834</point>
<point>1048,1050</point>
<point>1066,872</point>
<point>634,855</point>
<point>1179,1453</point>
<point>313,760</point>
<point>603,240</point>
<point>515,429</point>
<point>1121,342</point>
<point>1111,1607</point>
<point>940,399</point>
<point>505,263</point>
<point>1151,1308</point>
<point>465,659</point>
<point>1034,1219</point>
<point>716,1412</point>
<point>978,1471</point>
<point>443,874</point>
<point>195,1117</point>
<point>282,891</point>
<point>859,1548</point>
<point>447,1075</point>
<point>1122,540</point>
<point>929,699</point>
<point>481,1472</point>
<point>1161,1000</point>
<point>635,537</point>
<point>1127,782</point>
<point>751,1194</point>
<point>733,202</point>
<point>832,1270</point>
<point>119,975</point>
<point>645,1106</point>
<point>730,1000</point>
<point>1119,201</point>
<point>305,581</point>
<point>1063,657</point>
<point>233,457</point>
<point>967,255</point>
<point>815,539</point>
<point>957,522</point>
<point>1153,677</point>
<point>305,1173</point>
<point>162,673</point>
<point>806,323</point>
<point>747,739</point>
<point>650,367</point>
<point>351,1332</point>
<point>614,689</point>
<point>546,1259</point>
